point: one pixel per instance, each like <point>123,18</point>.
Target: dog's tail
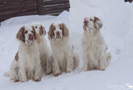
<point>76,60</point>
<point>7,74</point>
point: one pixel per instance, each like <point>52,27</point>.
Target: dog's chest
<point>30,57</point>
<point>91,42</point>
<point>30,64</point>
<point>60,51</point>
<point>43,48</point>
<point>93,45</point>
<point>61,54</point>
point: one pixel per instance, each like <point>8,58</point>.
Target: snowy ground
<point>117,30</point>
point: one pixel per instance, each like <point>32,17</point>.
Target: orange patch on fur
<point>51,32</point>
<point>20,34</point>
<point>65,30</point>
<point>16,56</point>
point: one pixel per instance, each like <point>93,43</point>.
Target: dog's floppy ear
<point>42,30</point>
<point>51,32</point>
<point>34,32</point>
<point>97,23</point>
<point>85,23</point>
<point>20,35</point>
<point>65,30</point>
<point>16,56</point>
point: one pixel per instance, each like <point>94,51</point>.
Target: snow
<point>117,30</point>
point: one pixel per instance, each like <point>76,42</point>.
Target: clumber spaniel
<point>45,52</point>
<point>95,54</point>
<point>26,64</point>
<point>64,57</point>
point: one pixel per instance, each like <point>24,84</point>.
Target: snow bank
<point>115,15</point>
<point>118,33</point>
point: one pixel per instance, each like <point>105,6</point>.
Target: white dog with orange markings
<point>95,54</point>
<point>64,57</point>
<point>45,52</point>
<point>26,64</point>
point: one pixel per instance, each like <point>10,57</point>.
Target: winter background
<point>117,17</point>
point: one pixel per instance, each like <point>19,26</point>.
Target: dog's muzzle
<point>31,37</point>
<point>58,35</point>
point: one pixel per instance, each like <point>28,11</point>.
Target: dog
<point>95,54</point>
<point>64,57</point>
<point>45,52</point>
<point>26,64</point>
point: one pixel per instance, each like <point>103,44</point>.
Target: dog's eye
<point>32,31</point>
<point>61,28</point>
<point>91,19</point>
<point>25,32</point>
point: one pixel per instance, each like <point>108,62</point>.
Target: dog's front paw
<point>16,80</point>
<point>57,73</point>
<point>37,79</point>
<point>68,71</point>
<point>23,80</point>
<point>48,72</point>
<point>102,69</point>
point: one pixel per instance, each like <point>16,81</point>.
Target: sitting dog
<point>26,64</point>
<point>45,52</point>
<point>64,57</point>
<point>95,52</point>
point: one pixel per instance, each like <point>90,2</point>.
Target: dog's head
<point>92,23</point>
<point>40,30</point>
<point>58,30</point>
<point>26,34</point>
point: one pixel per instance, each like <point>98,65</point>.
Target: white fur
<point>29,29</point>
<point>29,62</point>
<point>64,57</point>
<point>45,52</point>
<point>94,47</point>
<point>56,24</point>
<point>28,65</point>
<point>14,71</point>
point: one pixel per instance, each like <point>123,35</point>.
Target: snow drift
<point>117,31</point>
